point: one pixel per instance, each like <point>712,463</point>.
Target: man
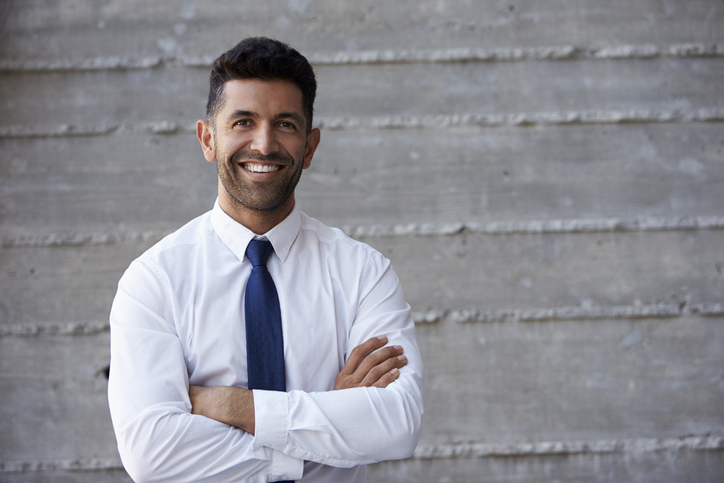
<point>185,346</point>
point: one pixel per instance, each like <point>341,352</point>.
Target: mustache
<point>244,155</point>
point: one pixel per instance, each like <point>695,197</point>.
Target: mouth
<point>261,168</point>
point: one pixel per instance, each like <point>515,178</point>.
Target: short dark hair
<point>265,59</point>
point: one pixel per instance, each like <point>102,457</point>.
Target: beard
<point>259,195</point>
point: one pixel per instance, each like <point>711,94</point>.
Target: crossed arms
<point>373,413</point>
<point>369,365</point>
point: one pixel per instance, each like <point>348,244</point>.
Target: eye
<point>287,125</point>
<point>243,123</point>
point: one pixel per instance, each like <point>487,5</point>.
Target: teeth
<point>261,168</point>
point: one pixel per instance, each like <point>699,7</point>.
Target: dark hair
<point>265,59</point>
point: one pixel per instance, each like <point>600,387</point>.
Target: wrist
<point>239,409</point>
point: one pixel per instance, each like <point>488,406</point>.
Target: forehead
<point>260,96</point>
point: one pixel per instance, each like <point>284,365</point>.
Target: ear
<point>312,142</point>
<point>206,137</point>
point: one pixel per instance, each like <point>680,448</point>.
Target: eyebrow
<point>282,115</point>
<point>241,113</point>
<point>290,115</point>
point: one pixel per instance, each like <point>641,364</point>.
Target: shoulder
<point>192,233</point>
<point>178,248</point>
<point>339,246</point>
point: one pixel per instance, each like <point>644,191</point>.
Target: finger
<point>376,358</point>
<point>372,377</point>
<point>359,353</point>
<point>387,379</point>
<point>381,370</point>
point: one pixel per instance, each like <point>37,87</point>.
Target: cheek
<point>300,154</point>
<point>230,145</point>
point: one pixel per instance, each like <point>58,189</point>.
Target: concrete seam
<point>527,227</point>
<point>431,316</point>
<point>81,240</point>
<point>445,451</point>
<point>88,464</point>
<point>554,448</point>
<point>341,123</point>
<point>551,118</point>
<point>464,54</point>
<point>53,329</point>
<point>643,311</point>
<point>493,228</point>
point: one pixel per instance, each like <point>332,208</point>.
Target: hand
<point>229,405</point>
<point>369,367</point>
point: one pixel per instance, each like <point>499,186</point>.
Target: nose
<point>264,141</point>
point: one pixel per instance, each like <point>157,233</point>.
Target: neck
<point>258,221</point>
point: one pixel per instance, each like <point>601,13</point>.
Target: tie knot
<point>258,252</point>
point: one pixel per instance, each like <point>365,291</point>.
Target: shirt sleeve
<point>354,426</point>
<point>158,437</point>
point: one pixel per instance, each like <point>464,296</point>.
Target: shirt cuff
<point>284,467</point>
<point>271,424</point>
<point>271,413</point>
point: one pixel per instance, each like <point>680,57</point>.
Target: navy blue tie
<point>264,340</point>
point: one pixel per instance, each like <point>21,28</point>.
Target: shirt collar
<point>237,237</point>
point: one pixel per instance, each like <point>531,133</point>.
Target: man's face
<point>260,143</point>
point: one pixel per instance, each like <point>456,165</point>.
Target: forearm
<point>166,442</point>
<point>159,439</point>
<point>230,405</point>
<point>336,418</point>
<point>341,428</point>
<point>353,426</point>
<point>163,444</point>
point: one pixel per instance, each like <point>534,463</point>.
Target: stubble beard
<point>255,195</point>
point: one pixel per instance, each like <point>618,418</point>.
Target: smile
<point>261,168</point>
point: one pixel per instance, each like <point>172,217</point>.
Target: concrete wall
<point>547,177</point>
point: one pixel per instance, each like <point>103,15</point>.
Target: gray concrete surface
<point>546,176</point>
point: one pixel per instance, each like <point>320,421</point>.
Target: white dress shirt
<point>178,320</point>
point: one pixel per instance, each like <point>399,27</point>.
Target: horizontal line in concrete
<point>79,239</point>
<point>522,227</point>
<point>474,54</point>
<point>431,316</point>
<point>539,226</point>
<point>553,448</point>
<point>79,464</point>
<point>524,119</point>
<point>464,54</point>
<point>53,328</point>
<point>562,118</point>
<point>445,451</point>
<point>71,130</point>
<point>568,313</point>
<point>81,64</point>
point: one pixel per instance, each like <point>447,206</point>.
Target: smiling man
<point>256,343</point>
<point>261,147</point>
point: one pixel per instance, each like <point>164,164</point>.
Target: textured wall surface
<point>547,177</point>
